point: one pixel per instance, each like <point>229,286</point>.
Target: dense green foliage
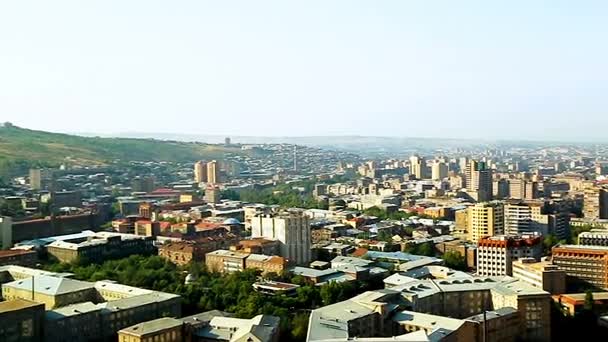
<point>228,292</point>
<point>21,149</point>
<point>384,215</point>
<point>454,260</point>
<point>549,241</point>
<point>11,209</point>
<point>576,230</point>
<point>283,195</point>
<point>426,248</point>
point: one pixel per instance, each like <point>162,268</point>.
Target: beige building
<point>291,228</point>
<point>541,274</point>
<point>225,261</point>
<point>587,264</point>
<point>523,189</point>
<point>439,170</point>
<point>595,205</point>
<point>35,179</point>
<point>200,172</point>
<point>164,329</point>
<point>52,291</point>
<point>485,219</point>
<point>213,172</point>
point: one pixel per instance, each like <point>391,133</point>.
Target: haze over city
<point>468,69</point>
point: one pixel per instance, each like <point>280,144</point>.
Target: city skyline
<point>469,70</point>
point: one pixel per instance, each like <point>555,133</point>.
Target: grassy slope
<point>20,148</point>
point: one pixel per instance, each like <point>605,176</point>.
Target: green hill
<point>22,148</point>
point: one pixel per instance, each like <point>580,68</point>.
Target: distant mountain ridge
<point>22,148</point>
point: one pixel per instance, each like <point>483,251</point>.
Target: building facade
<point>587,264</point>
<point>291,228</point>
<point>541,274</point>
<point>485,219</point>
<point>496,254</point>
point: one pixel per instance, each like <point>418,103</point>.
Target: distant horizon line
<point>195,137</point>
<point>134,134</point>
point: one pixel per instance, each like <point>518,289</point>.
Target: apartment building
<point>595,203</point>
<point>484,219</point>
<point>588,264</point>
<point>291,228</point>
<point>496,254</point>
<point>534,217</point>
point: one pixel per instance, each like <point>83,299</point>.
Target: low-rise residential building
<point>266,263</point>
<point>588,264</point>
<point>541,274</point>
<point>182,252</point>
<point>225,261</point>
<point>232,261</point>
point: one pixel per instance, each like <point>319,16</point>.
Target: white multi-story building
<point>541,274</point>
<point>291,228</point>
<point>495,254</point>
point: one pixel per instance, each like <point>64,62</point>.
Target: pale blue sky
<point>479,69</point>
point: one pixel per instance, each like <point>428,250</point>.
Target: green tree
<point>455,260</point>
<point>589,302</point>
<point>299,326</point>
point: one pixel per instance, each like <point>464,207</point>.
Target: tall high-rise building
<point>500,189</point>
<point>495,255</point>
<point>479,181</point>
<point>595,203</point>
<point>523,189</point>
<point>439,170</point>
<point>418,167</point>
<point>485,219</point>
<point>291,228</point>
<point>462,164</point>
<point>200,172</point>
<point>212,193</point>
<point>213,172</point>
<point>35,179</point>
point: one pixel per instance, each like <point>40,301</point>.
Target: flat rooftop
<point>151,327</point>
<point>17,304</point>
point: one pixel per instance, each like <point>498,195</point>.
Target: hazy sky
<point>481,69</point>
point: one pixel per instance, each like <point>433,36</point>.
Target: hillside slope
<point>21,148</point>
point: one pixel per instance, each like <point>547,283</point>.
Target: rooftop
<point>17,304</point>
<point>151,327</point>
<point>50,285</point>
